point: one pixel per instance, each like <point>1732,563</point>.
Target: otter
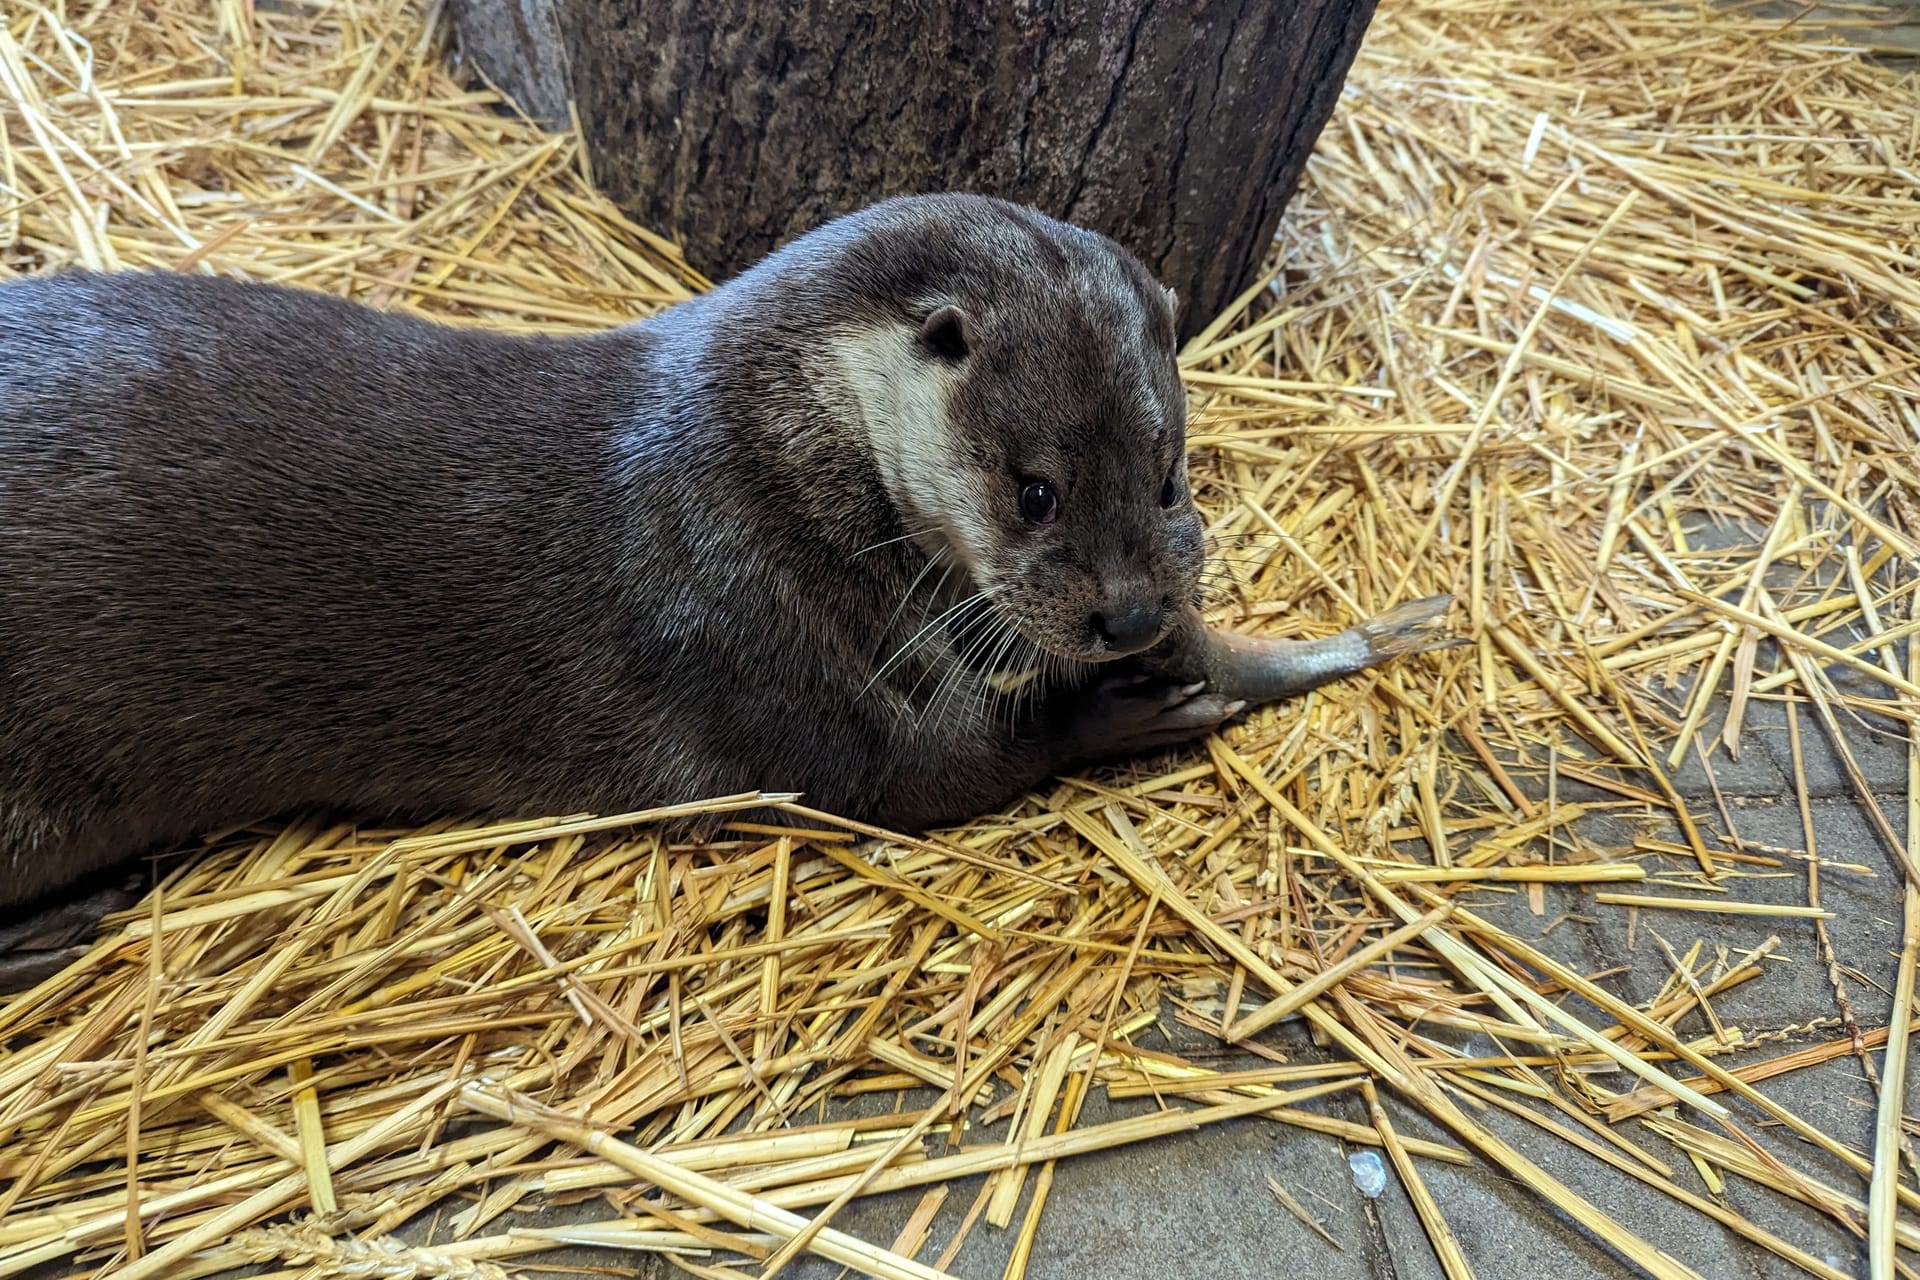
<point>898,519</point>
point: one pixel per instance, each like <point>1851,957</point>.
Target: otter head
<point>1015,379</point>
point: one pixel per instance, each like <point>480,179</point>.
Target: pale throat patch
<point>902,397</point>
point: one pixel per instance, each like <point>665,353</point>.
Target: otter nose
<point>1128,627</point>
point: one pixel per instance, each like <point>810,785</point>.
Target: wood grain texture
<point>516,44</point>
<point>1179,129</point>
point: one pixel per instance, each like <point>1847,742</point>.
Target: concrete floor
<point>1894,31</point>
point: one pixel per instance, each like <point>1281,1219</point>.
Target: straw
<point>1601,316</point>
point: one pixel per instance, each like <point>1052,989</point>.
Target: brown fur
<point>262,550</point>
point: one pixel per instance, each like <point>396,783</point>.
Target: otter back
<point>260,549</point>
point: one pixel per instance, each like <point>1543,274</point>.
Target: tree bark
<point>733,125</point>
<point>517,44</point>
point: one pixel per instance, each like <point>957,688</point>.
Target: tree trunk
<point>733,125</point>
<point>518,45</point>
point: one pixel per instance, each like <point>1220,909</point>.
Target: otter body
<point>263,550</point>
<point>898,519</point>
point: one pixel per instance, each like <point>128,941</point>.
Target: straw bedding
<point>1600,315</point>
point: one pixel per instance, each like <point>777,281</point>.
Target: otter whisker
<point>919,635</point>
<point>1231,575</point>
<point>1036,687</point>
<point>1256,535</point>
<point>967,666</point>
<point>907,595</point>
<point>1040,668</point>
<point>954,671</point>
<point>887,542</point>
<point>951,664</point>
<point>950,694</point>
<point>993,697</point>
<point>1259,562</point>
<point>955,657</point>
<point>939,589</point>
<point>997,696</point>
<point>1026,699</point>
<point>1032,666</point>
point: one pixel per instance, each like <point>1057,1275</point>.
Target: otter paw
<point>1133,715</point>
<point>42,942</point>
<point>20,970</point>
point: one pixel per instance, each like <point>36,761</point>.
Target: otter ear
<point>944,334</point>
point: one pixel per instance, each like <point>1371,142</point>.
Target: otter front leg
<point>953,776</point>
<point>1132,715</point>
<point>45,940</point>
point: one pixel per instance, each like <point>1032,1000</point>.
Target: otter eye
<point>1039,503</point>
<point>1170,490</point>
